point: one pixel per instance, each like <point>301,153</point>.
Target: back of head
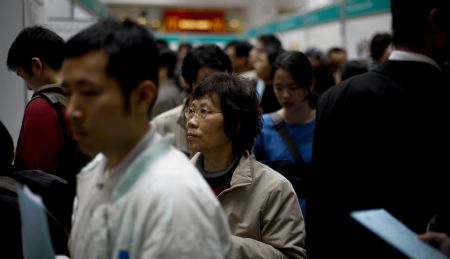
<point>378,45</point>
<point>270,40</point>
<point>239,104</point>
<point>242,48</point>
<point>208,55</point>
<point>410,20</point>
<point>167,58</point>
<point>131,49</point>
<point>37,42</point>
<point>6,150</point>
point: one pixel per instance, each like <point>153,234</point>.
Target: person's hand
<point>441,241</point>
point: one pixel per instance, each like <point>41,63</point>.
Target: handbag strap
<point>279,124</point>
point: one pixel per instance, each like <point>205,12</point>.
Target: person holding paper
<point>381,140</point>
<point>139,197</point>
<point>440,240</point>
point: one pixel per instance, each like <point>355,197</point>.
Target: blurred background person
<point>323,78</point>
<point>267,47</point>
<point>380,49</point>
<point>336,56</point>
<point>239,52</point>
<point>169,94</point>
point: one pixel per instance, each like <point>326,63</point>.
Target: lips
<point>78,134</point>
<point>286,104</point>
<point>191,135</point>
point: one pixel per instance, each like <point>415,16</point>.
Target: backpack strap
<point>56,104</point>
<point>279,124</point>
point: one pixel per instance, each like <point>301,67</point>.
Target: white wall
<point>359,32</point>
<point>324,36</point>
<point>357,35</point>
<point>293,40</point>
<point>13,94</point>
<point>59,8</point>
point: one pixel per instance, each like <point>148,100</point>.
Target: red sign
<point>194,21</point>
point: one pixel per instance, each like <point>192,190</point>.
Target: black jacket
<point>381,141</point>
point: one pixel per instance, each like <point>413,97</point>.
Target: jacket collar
<point>242,175</point>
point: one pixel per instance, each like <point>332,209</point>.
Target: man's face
<point>96,106</point>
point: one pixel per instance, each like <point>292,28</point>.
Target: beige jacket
<point>263,212</point>
<point>173,121</point>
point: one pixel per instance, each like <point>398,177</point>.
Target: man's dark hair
<point>185,45</point>
<point>239,104</point>
<point>335,50</point>
<point>270,40</point>
<point>241,48</point>
<point>39,42</point>
<point>209,55</point>
<point>168,59</point>
<point>410,20</point>
<point>298,65</point>
<point>131,49</point>
<point>378,45</point>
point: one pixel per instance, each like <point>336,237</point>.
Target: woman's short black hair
<point>298,65</point>
<point>239,104</point>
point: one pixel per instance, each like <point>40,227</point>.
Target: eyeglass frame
<point>190,112</point>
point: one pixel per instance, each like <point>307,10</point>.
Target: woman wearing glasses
<point>262,208</point>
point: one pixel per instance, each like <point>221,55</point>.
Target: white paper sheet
<point>36,242</point>
<point>391,230</point>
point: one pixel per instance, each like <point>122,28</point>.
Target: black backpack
<point>57,197</point>
<point>71,160</point>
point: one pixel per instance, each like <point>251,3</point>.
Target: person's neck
<point>218,159</point>
<point>426,51</point>
<point>48,78</point>
<point>302,116</point>
<point>116,156</point>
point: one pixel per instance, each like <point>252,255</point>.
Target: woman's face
<point>290,95</point>
<point>205,126</point>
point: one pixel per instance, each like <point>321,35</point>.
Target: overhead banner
<point>194,21</point>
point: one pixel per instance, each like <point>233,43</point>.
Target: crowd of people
<point>246,151</point>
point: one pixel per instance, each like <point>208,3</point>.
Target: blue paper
<point>391,230</point>
<point>36,241</point>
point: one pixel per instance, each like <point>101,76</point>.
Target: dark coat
<point>381,141</point>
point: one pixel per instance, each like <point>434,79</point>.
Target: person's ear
<point>144,96</point>
<point>36,66</point>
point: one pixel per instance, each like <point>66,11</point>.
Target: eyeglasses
<point>200,112</point>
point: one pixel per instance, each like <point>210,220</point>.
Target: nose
<point>73,110</point>
<point>286,93</point>
<point>192,122</point>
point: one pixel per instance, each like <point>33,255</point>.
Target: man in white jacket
<point>139,197</point>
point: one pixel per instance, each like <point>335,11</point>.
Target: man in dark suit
<point>381,140</point>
